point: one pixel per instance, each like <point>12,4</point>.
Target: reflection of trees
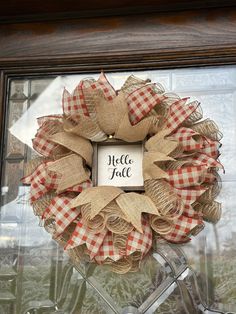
<point>14,172</point>
<point>10,243</point>
<point>229,245</point>
<point>8,256</point>
<point>223,276</point>
<point>215,230</point>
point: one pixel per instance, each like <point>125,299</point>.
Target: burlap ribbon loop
<point>98,197</point>
<point>160,143</point>
<point>76,144</point>
<point>133,204</point>
<point>133,133</point>
<point>161,225</point>
<point>209,129</point>
<point>164,198</point>
<point>85,127</point>
<point>150,165</point>
<point>71,171</point>
<point>110,113</point>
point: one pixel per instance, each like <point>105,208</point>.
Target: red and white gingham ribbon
<point>80,187</point>
<point>190,194</point>
<point>76,103</point>
<point>41,143</point>
<point>142,101</point>
<point>108,250</point>
<point>83,235</point>
<point>140,242</point>
<point>179,112</point>
<point>190,212</point>
<point>101,245</point>
<point>211,148</point>
<point>60,210</point>
<point>187,176</point>
<point>42,181</point>
<point>101,84</point>
<point>183,226</point>
<point>203,159</point>
<point>185,137</point>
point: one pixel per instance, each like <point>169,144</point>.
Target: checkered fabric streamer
<point>209,177</point>
<point>82,235</point>
<point>108,250</point>
<point>203,159</point>
<point>39,173</point>
<point>182,228</point>
<point>101,84</point>
<point>187,176</point>
<point>211,148</point>
<point>60,210</point>
<point>75,103</point>
<point>41,182</point>
<point>179,112</point>
<point>141,102</point>
<point>37,190</point>
<point>80,187</point>
<point>41,143</point>
<point>138,241</point>
<point>185,137</point>
<point>190,195</point>
<point>191,213</point>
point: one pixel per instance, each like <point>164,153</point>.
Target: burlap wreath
<point>104,224</point>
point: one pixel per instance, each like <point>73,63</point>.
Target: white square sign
<point>120,165</point>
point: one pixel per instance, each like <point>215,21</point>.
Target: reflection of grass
<point>218,271</point>
<point>173,305</point>
<point>5,308</point>
<point>35,284</point>
<point>224,268</point>
<point>36,287</point>
<point>133,288</point>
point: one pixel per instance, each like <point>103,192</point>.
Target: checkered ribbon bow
<point>183,177</point>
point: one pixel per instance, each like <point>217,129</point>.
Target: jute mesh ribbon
<point>102,224</point>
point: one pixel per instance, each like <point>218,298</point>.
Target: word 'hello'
<point>115,162</point>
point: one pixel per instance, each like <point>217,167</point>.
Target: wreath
<point>103,224</point>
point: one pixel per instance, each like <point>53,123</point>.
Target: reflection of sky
<point>19,224</point>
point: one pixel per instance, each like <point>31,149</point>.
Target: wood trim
<point>209,56</point>
<point>2,108</point>
<point>2,120</point>
<point>25,10</point>
<point>151,40</point>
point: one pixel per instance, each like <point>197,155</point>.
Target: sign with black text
<point>120,165</point>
